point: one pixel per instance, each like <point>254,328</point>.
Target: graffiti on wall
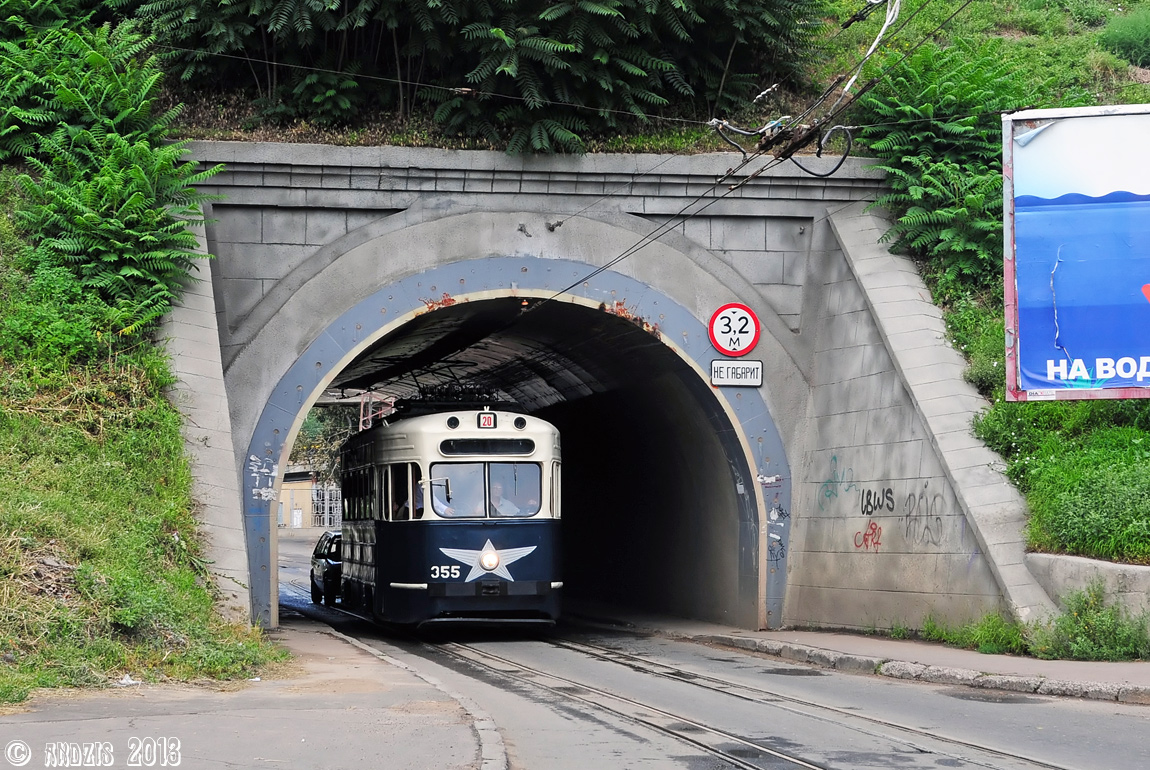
<point>923,514</point>
<point>836,482</point>
<point>876,500</point>
<point>263,474</point>
<point>775,528</point>
<point>869,538</point>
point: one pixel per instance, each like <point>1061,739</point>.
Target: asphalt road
<point>581,697</point>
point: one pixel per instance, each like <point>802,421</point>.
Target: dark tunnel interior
<point>650,463</point>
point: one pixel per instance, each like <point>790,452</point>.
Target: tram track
<point>699,735</point>
<point>685,730</point>
<point>694,733</point>
<point>800,706</point>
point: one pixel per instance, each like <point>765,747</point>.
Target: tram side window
<point>350,500</point>
<point>359,499</point>
<point>556,490</point>
<point>382,504</point>
<point>368,493</point>
<point>359,494</point>
<point>401,502</point>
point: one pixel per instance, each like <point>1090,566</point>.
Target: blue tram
<point>453,516</point>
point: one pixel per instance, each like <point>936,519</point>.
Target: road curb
<point>898,669</point>
<point>492,751</point>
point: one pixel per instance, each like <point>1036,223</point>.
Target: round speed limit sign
<point>734,329</point>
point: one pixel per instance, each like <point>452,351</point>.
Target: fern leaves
<point>109,199</point>
<point>625,59</point>
<point>935,128</point>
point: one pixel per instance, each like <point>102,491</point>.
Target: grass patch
<point>1089,628</point>
<point>1129,36</point>
<point>993,635</point>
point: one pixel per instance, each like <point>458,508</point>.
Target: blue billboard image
<point>1081,201</point>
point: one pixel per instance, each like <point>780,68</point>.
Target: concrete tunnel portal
<point>662,503</point>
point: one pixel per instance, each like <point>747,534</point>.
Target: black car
<point>326,569</point>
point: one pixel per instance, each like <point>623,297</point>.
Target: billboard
<point>1076,208</point>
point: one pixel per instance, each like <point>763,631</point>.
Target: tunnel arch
<point>415,285</point>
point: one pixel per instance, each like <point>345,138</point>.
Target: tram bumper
<point>479,601</point>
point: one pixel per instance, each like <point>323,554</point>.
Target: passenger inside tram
<point>438,495</point>
<point>500,505</point>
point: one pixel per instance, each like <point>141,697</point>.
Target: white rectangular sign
<point>746,374</point>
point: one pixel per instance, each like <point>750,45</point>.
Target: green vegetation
<point>322,434</point>
<point>522,74</point>
<point>993,635</point>
<point>101,572</point>
<point>107,197</point>
<point>1088,629</point>
<point>1129,36</point>
<point>933,121</point>
<point>934,124</point>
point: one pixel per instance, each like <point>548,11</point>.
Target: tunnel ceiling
<point>539,355</point>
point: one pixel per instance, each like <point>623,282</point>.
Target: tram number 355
<point>444,571</point>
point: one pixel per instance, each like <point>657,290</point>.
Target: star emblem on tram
<point>487,559</point>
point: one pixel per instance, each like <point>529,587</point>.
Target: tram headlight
<point>489,560</point>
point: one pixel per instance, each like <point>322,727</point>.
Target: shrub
<point>534,74</point>
<point>18,16</point>
<point>1091,629</point>
<point>1129,36</point>
<point>934,125</point>
<point>327,98</point>
<point>117,213</point>
<point>59,82</point>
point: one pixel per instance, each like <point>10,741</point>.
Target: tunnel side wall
<point>881,540</point>
<point>905,514</point>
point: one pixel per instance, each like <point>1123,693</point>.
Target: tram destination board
<point>740,374</point>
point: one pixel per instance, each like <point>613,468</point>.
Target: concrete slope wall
<point>191,339</point>
<point>905,513</point>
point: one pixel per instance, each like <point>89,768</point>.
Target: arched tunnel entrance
<point>662,492</point>
<point>651,513</point>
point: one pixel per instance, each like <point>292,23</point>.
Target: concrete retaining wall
<point>1126,584</point>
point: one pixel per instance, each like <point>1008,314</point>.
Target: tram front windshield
<point>486,490</point>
